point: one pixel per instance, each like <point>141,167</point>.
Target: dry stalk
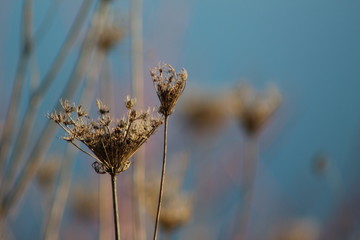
<point>162,179</point>
<point>62,191</point>
<point>13,109</point>
<point>112,142</point>
<point>115,207</point>
<point>169,86</point>
<point>43,142</point>
<point>250,166</point>
<point>137,89</point>
<point>56,211</point>
<point>34,101</point>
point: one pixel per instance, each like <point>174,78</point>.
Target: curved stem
<point>162,180</point>
<point>115,207</point>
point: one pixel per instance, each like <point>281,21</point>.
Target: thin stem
<point>42,143</point>
<point>249,181</point>
<point>115,207</point>
<point>137,89</point>
<point>13,109</point>
<point>56,211</point>
<point>162,179</point>
<point>28,120</point>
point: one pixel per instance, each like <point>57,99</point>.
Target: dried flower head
<point>301,229</point>
<point>109,37</point>
<point>204,114</point>
<point>84,202</point>
<point>111,141</point>
<point>176,207</point>
<point>169,85</point>
<point>253,109</point>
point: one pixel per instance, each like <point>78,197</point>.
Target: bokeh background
<point>308,150</point>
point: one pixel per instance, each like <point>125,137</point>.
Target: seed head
<point>253,109</point>
<point>169,85</point>
<point>112,142</point>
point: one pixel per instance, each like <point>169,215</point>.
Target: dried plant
<point>47,174</point>
<point>169,86</point>
<point>253,109</point>
<point>204,114</point>
<point>300,229</point>
<point>109,36</point>
<point>176,208</point>
<point>111,142</point>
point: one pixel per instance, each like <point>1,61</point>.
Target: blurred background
<point>264,142</point>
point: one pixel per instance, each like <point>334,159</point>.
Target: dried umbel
<point>111,141</point>
<point>176,211</point>
<point>253,109</point>
<point>109,37</point>
<point>301,229</point>
<point>176,207</point>
<point>169,86</point>
<point>46,175</point>
<point>204,114</point>
<point>84,202</point>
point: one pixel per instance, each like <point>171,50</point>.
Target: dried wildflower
<point>109,36</point>
<point>84,202</point>
<point>169,85</point>
<point>112,142</point>
<point>301,229</point>
<point>204,114</point>
<point>47,173</point>
<point>176,207</point>
<point>253,109</point>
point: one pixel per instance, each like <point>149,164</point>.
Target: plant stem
<point>249,181</point>
<point>162,179</point>
<point>137,90</point>
<point>115,207</point>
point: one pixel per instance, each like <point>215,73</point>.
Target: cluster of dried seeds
<point>169,86</point>
<point>111,141</point>
<point>253,109</point>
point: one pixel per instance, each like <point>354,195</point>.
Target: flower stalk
<point>115,207</point>
<point>162,179</point>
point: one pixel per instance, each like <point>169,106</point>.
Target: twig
<point>162,179</point>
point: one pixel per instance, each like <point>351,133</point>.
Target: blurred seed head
<point>169,86</point>
<point>253,109</point>
<point>112,141</point>
<point>84,203</point>
<point>302,229</point>
<point>176,207</point>
<point>109,37</point>
<point>47,173</point>
<point>204,114</point>
<point>320,164</point>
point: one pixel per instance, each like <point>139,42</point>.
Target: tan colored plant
<point>111,142</point>
<point>169,86</point>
